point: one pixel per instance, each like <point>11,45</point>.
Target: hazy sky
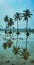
<point>9,7</point>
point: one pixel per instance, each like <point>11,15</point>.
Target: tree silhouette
<point>6,18</point>
<point>26,15</point>
<point>17,17</point>
<point>10,23</point>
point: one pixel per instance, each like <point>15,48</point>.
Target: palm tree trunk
<point>26,32</point>
<point>5,33</point>
<point>26,42</point>
<point>17,34</point>
<point>10,33</point>
<point>5,36</point>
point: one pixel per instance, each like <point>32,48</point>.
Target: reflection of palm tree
<point>17,18</point>
<point>16,50</point>
<point>26,15</point>
<point>10,32</point>
<point>4,45</point>
<point>25,54</point>
<point>27,34</point>
<point>9,43</point>
<point>5,34</point>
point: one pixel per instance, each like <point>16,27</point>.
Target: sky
<point>10,7</point>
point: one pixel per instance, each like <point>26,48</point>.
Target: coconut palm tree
<point>26,15</point>
<point>10,23</point>
<point>6,19</point>
<point>17,17</point>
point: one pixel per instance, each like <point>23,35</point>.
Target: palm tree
<point>17,18</point>
<point>6,19</point>
<point>26,15</point>
<point>10,23</point>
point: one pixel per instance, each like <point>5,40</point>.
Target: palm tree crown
<point>26,14</point>
<point>6,18</point>
<point>10,23</point>
<point>17,16</point>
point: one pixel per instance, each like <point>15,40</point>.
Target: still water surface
<point>21,43</point>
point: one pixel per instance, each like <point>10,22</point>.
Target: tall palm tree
<point>10,23</point>
<point>17,17</point>
<point>6,19</point>
<point>26,15</point>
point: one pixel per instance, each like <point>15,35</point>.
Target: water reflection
<point>21,44</point>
